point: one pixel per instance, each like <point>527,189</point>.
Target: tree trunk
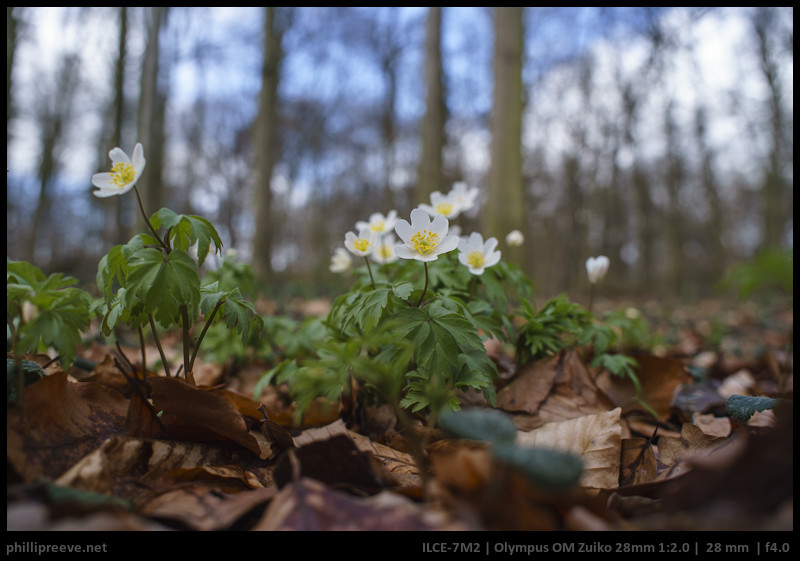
<point>505,209</point>
<point>266,143</point>
<point>433,134</point>
<point>152,103</point>
<point>11,43</point>
<point>116,233</point>
<point>778,205</point>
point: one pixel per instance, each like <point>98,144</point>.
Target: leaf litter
<point>110,449</point>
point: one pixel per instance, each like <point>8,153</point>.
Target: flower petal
<point>404,230</point>
<point>448,244</point>
<point>118,155</point>
<point>420,220</point>
<point>439,225</point>
<point>103,180</point>
<point>405,252</point>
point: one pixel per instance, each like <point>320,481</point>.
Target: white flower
<point>124,174</point>
<point>515,238</point>
<point>596,268</point>
<point>384,251</point>
<point>340,260</point>
<point>362,245</point>
<point>476,254</point>
<point>423,239</point>
<point>379,223</point>
<point>463,196</point>
<point>441,205</point>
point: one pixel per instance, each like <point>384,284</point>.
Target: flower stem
<point>203,333</point>
<point>158,345</point>
<point>147,220</point>
<point>591,296</point>
<point>187,372</point>
<point>371,278</point>
<point>425,288</point>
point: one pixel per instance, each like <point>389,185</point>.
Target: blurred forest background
<point>661,137</point>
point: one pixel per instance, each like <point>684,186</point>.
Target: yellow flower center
<point>122,174</point>
<point>386,251</point>
<point>361,244</point>
<point>378,226</point>
<point>444,208</point>
<point>424,242</point>
<point>475,259</point>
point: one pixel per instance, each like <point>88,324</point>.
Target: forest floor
<point>87,451</point>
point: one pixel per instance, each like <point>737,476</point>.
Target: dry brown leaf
<point>204,508</point>
<point>204,410</point>
<point>400,465</point>
<point>560,387</point>
<point>596,439</point>
<point>65,421</point>
<point>308,505</point>
<point>660,378</point>
<point>135,469</point>
<point>333,461</point>
<point>692,442</point>
<point>530,387</point>
<point>638,462</point>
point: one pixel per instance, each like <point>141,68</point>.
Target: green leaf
<point>742,407</point>
<point>550,469</point>
<point>488,425</point>
<point>403,289</point>
<point>186,230</point>
<point>164,285</point>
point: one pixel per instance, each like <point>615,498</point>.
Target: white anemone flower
<point>515,238</point>
<point>423,239</point>
<point>441,205</point>
<point>477,254</point>
<point>379,223</point>
<point>363,244</point>
<point>124,174</point>
<point>384,251</point>
<point>340,261</point>
<point>463,196</point>
<point>596,268</point>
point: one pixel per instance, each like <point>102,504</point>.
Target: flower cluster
<point>428,235</point>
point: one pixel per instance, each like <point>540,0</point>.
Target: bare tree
<point>776,196</point>
<point>505,209</point>
<point>54,113</point>
<point>152,105</point>
<point>266,144</point>
<point>432,128</point>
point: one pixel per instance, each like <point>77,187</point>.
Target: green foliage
<point>153,278</point>
<point>558,325</point>
<point>770,269</point>
<point>61,310</point>
<point>549,469</point>
<point>233,273</point>
<point>742,407</point>
<point>416,348</point>
<point>32,372</point>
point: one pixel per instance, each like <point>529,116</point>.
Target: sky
<point>713,73</point>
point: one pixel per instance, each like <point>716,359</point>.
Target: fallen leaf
<point>595,439</point>
<point>136,469</point>
<point>64,421</point>
<point>553,389</point>
<point>204,410</point>
<point>660,378</point>
<point>204,508</point>
<point>308,505</point>
<point>638,462</point>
